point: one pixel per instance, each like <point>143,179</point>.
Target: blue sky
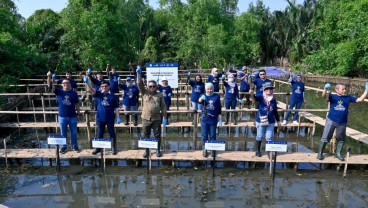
<point>27,7</point>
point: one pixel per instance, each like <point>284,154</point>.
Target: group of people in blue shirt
<point>206,100</point>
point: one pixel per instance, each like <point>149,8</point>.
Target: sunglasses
<point>262,74</point>
<point>104,85</point>
<point>152,86</point>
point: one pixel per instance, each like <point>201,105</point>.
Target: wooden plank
<point>234,156</point>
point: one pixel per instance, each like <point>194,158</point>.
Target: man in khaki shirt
<point>153,109</point>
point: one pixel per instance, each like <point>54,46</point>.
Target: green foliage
<point>342,36</point>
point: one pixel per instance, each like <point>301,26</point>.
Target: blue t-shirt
<point>244,85</point>
<point>114,85</point>
<point>106,105</point>
<point>197,90</point>
<point>165,91</point>
<point>66,102</point>
<point>297,91</point>
<point>270,111</point>
<point>215,81</point>
<point>231,93</point>
<point>96,83</point>
<point>131,94</point>
<point>339,107</point>
<point>258,82</point>
<point>73,83</point>
<point>211,109</point>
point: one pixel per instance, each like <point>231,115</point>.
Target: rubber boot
<point>126,120</point>
<point>322,146</point>
<point>135,117</point>
<point>158,152</point>
<point>204,150</point>
<point>213,153</point>
<point>97,150</point>
<point>227,118</point>
<point>114,151</point>
<point>235,118</point>
<point>258,152</point>
<point>339,146</point>
<point>145,154</point>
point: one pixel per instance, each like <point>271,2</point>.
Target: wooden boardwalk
<point>231,156</point>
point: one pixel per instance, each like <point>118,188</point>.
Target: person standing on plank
<point>68,105</point>
<point>153,109</point>
<point>337,117</point>
<point>107,110</point>
<point>297,97</point>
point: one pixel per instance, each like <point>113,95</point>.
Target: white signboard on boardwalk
<point>101,143</point>
<point>147,143</point>
<point>56,139</point>
<point>275,146</point>
<point>157,71</point>
<point>215,145</point>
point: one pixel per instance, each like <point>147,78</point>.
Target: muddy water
<point>79,186</point>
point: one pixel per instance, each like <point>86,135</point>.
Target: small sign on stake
<point>276,146</point>
<point>147,143</point>
<point>56,139</point>
<point>101,143</point>
<point>215,145</point>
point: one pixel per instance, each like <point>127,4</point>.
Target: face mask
<point>269,98</point>
<point>231,79</point>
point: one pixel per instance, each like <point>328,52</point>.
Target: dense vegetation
<point>319,36</point>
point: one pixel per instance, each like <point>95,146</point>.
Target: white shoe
<point>284,122</point>
<point>295,122</point>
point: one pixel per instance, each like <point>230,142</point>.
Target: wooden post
<point>6,154</point>
<point>16,108</point>
<point>195,122</point>
<point>86,113</point>
<point>35,120</point>
<point>29,97</point>
<point>346,161</point>
<point>57,158</point>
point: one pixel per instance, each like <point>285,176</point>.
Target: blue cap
<point>298,75</point>
<point>128,79</point>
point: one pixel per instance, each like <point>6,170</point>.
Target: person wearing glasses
<point>68,76</point>
<point>107,110</point>
<point>153,109</point>
<point>266,117</point>
<point>211,114</point>
<point>337,117</point>
<point>297,97</point>
<point>130,99</point>
<point>68,109</point>
<point>260,81</point>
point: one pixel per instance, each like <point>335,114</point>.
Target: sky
<point>27,7</point>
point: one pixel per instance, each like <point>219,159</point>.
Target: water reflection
<point>183,187</point>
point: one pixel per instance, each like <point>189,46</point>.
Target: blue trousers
<point>72,122</point>
<point>293,104</point>
<point>265,131</point>
<point>208,129</point>
<point>101,129</point>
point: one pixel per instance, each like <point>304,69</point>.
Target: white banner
<point>156,71</point>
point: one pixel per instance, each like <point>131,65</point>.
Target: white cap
<point>164,79</point>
